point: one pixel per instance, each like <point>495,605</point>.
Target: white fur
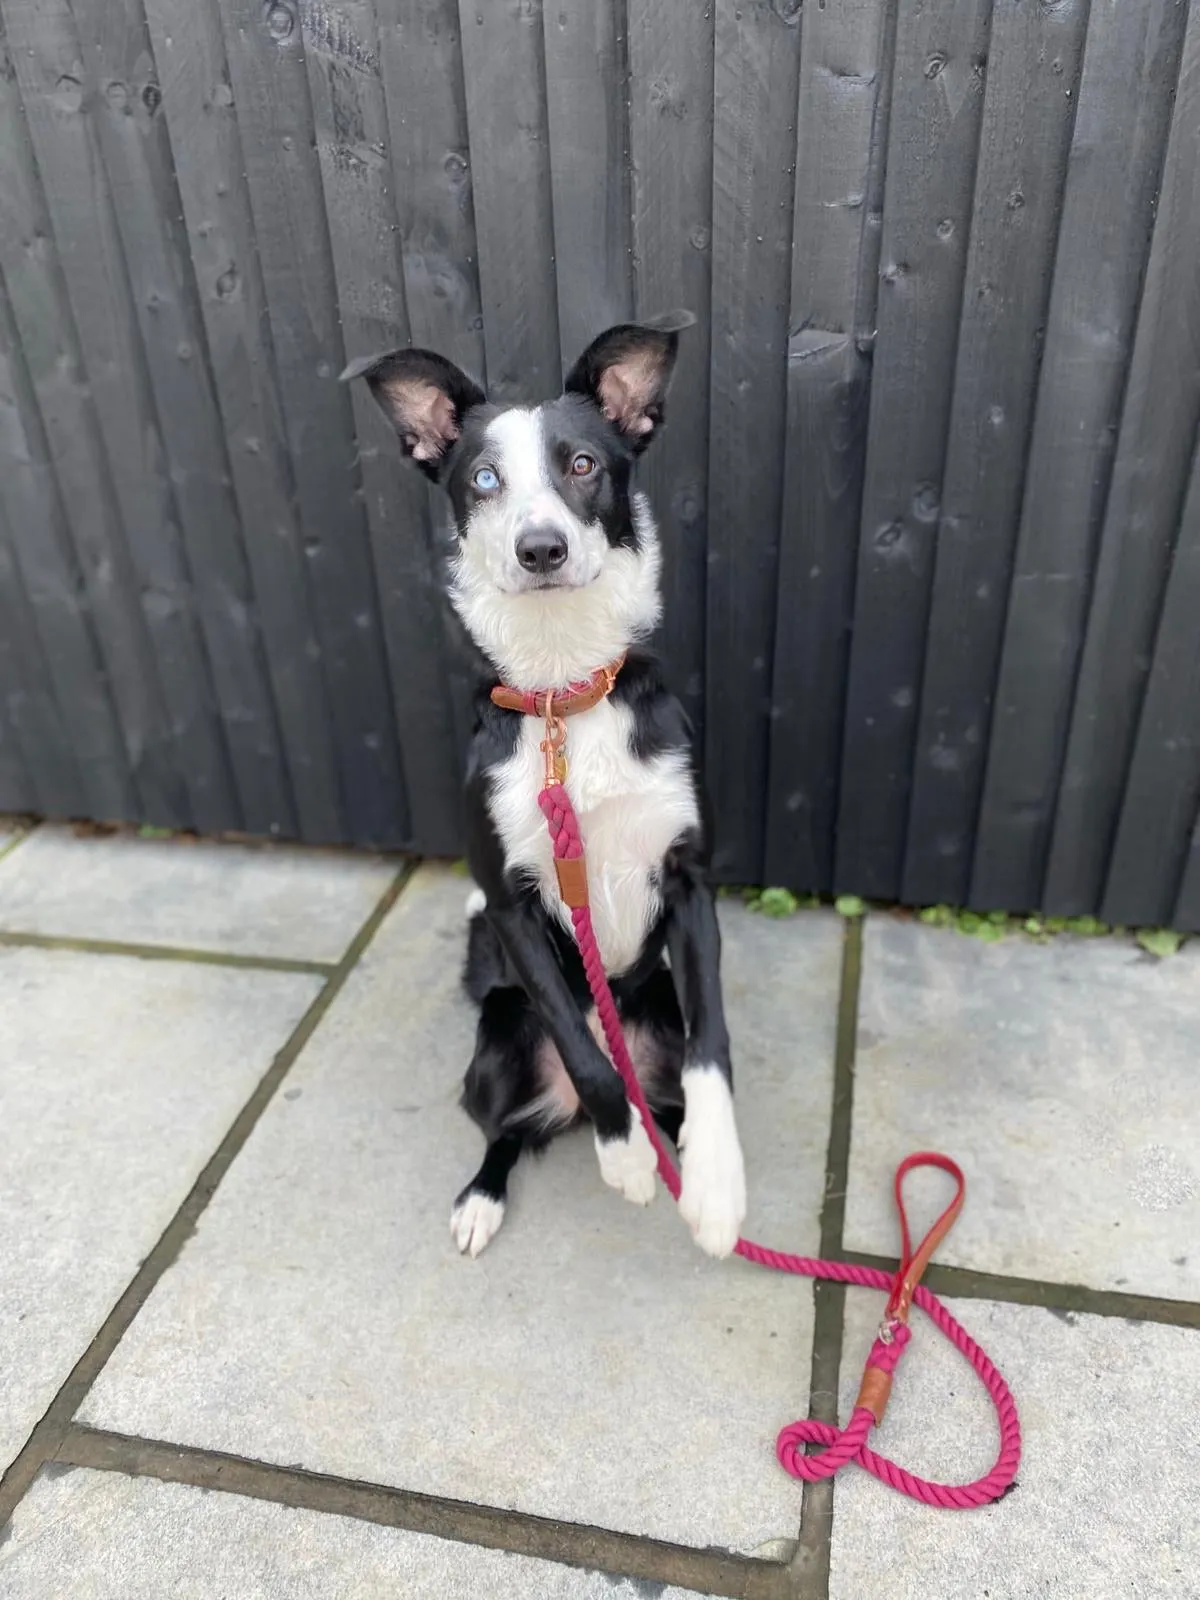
<point>549,638</point>
<point>630,813</point>
<point>475,1221</point>
<point>713,1199</point>
<point>476,902</point>
<point>629,1165</point>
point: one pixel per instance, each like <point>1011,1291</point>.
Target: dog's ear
<point>423,396</point>
<point>626,372</point>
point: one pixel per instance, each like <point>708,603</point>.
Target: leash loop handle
<point>876,1389</point>
<point>913,1262</point>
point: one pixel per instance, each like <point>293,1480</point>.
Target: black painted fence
<point>929,492</point>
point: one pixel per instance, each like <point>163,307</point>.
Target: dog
<point>554,573</point>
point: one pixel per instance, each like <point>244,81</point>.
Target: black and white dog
<point>554,572</point>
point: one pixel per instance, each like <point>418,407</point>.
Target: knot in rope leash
<point>904,1288</point>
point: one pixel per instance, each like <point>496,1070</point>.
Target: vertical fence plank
<point>1129,67</point>
<point>40,765</point>
<point>42,736</point>
<point>754,146</point>
<point>420,49</point>
<point>586,86</point>
<point>941,53</point>
<point>505,74</point>
<point>1029,108</point>
<point>16,790</point>
<point>844,64</point>
<point>1163,792</point>
<point>15,793</point>
<point>342,54</point>
<point>36,770</point>
<point>670,139</point>
<point>1187,907</point>
<point>1149,480</point>
<point>846,58</point>
<point>151,643</point>
<point>67,547</point>
<point>121,74</point>
<point>828,397</point>
<point>76,755</point>
<point>50,586</point>
<point>270,89</point>
<point>866,301</point>
<point>198,108</point>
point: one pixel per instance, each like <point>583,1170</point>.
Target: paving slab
<point>1106,1496</point>
<point>277,901</point>
<point>1062,1077</point>
<point>120,1077</point>
<point>10,829</point>
<point>103,1536</point>
<point>591,1365</point>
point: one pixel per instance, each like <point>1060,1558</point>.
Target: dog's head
<point>555,565</point>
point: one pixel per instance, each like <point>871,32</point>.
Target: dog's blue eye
<point>486,480</point>
<point>582,466</point>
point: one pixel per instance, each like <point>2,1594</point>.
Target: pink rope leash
<point>842,1444</point>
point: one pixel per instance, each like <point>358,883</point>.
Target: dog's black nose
<point>541,549</point>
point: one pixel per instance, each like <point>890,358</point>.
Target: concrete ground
<point>229,1141</point>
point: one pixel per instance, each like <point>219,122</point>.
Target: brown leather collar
<point>566,702</point>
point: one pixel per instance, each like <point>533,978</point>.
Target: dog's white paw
<point>475,1222</point>
<point>713,1197</point>
<point>476,903</point>
<point>629,1164</point>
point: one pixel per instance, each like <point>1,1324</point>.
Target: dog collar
<point>552,703</point>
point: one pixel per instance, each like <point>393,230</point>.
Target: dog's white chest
<point>630,813</point>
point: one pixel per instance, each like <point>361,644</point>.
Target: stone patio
<point>229,1140</point>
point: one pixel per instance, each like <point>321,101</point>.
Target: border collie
<point>554,571</point>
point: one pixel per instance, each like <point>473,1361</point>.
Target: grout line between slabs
<point>15,938</point>
<point>48,1434</point>
<point>653,1561</point>
<point>1063,1299</point>
<point>810,1565</point>
<point>22,832</point>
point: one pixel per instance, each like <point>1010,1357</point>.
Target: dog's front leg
<point>713,1200</point>
<point>627,1159</point>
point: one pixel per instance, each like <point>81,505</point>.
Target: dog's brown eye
<point>582,466</point>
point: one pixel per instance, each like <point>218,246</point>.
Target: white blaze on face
<point>527,498</point>
<point>605,598</point>
<point>519,441</point>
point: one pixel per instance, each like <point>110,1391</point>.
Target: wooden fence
<point>929,490</point>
